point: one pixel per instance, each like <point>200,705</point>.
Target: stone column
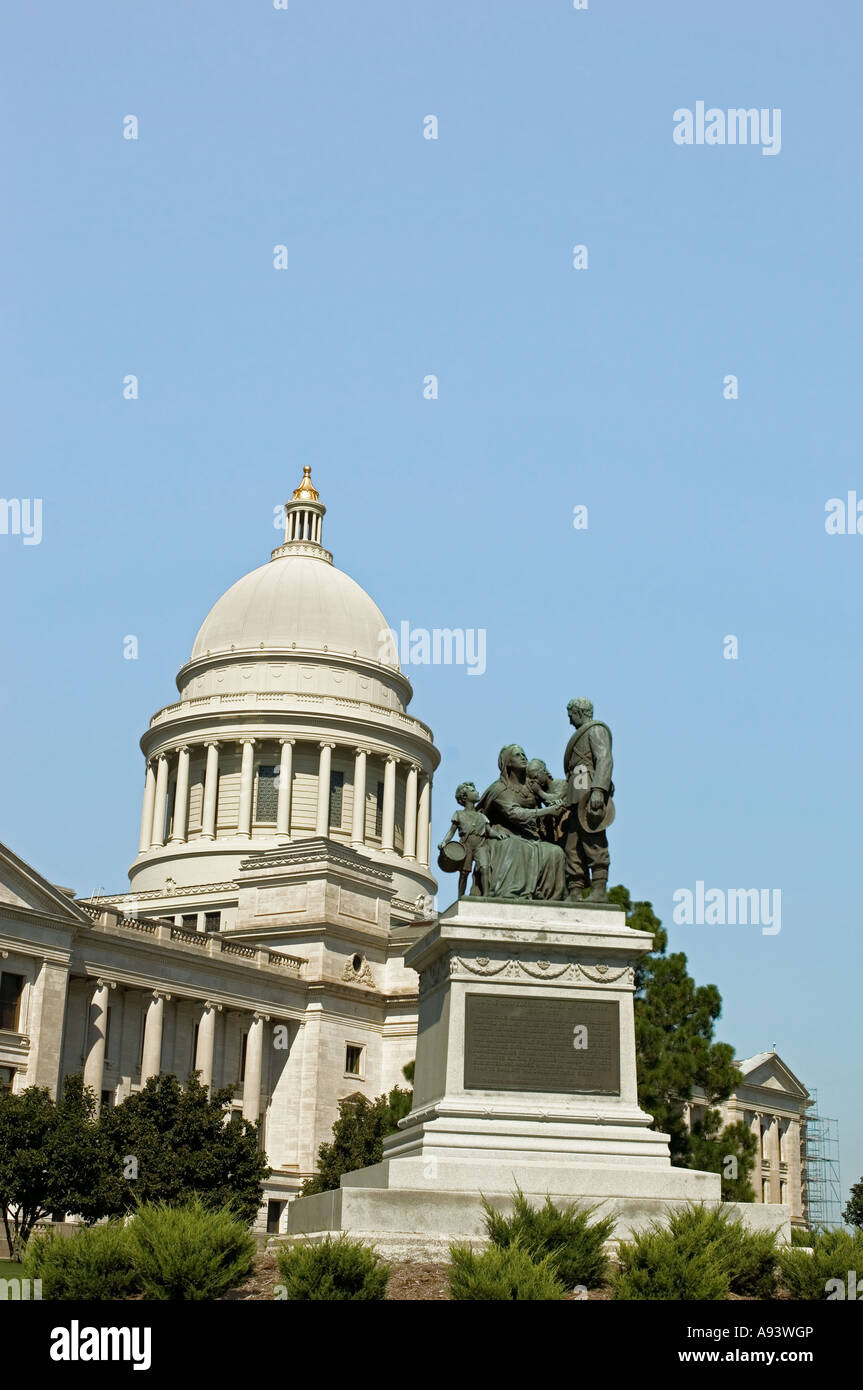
<point>792,1158</point>
<point>147,812</point>
<point>97,1033</point>
<point>160,805</point>
<point>211,790</point>
<point>181,796</point>
<point>757,1174</point>
<point>283,807</point>
<point>388,817</point>
<point>254,1067</point>
<point>773,1156</point>
<point>151,1062</point>
<point>424,823</point>
<point>322,822</point>
<point>358,820</point>
<point>46,1024</point>
<point>410,851</point>
<point>206,1042</point>
<point>247,778</point>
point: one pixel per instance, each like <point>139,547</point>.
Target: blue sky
<point>557,387</point>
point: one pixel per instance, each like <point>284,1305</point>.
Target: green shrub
<point>93,1265</point>
<point>501,1274</point>
<point>189,1252</point>
<point>655,1266</point>
<point>834,1253</point>
<point>752,1259</point>
<point>333,1270</point>
<point>565,1232</point>
<point>700,1253</point>
<point>800,1237</point>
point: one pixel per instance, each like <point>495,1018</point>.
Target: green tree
<point>50,1159</point>
<point>358,1136</point>
<point>171,1143</point>
<point>729,1151</point>
<point>853,1213</point>
<point>674,1021</point>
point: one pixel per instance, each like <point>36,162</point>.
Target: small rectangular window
<point>212,921</point>
<point>107,1100</point>
<point>190,921</point>
<point>337,786</point>
<point>267,802</point>
<point>379,808</point>
<point>353,1060</point>
<point>11,989</point>
<point>7,1076</point>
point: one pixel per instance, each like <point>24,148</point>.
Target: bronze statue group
<point>533,836</point>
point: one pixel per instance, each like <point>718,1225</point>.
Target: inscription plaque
<point>541,1044</point>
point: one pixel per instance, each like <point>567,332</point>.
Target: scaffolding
<point>822,1187</point>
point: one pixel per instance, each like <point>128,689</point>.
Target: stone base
<point>525,1077</point>
<point>411,1224</point>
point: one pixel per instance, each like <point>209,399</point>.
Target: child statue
<point>474,829</point>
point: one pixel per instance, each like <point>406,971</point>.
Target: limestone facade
<point>307,1000</point>
<point>282,872</point>
<point>772,1102</point>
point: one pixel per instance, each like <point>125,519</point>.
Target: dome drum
<point>292,724</point>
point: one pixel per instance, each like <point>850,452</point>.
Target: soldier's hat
<point>451,857</point>
<point>590,822</point>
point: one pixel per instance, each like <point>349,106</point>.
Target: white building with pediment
<point>772,1102</point>
<point>282,872</point>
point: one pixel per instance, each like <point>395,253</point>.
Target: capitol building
<point>282,871</point>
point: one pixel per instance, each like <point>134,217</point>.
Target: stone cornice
<point>150,893</point>
<point>341,712</point>
<point>322,854</point>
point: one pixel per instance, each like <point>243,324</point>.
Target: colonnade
<point>417,785</point>
<point>151,1057</point>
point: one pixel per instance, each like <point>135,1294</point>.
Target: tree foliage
<point>183,1147</point>
<point>49,1158</point>
<point>853,1213</point>
<point>358,1136</point>
<point>166,1143</point>
<point>674,1022</point>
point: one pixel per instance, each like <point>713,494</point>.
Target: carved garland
<point>486,968</point>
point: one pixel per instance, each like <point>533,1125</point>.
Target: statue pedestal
<point>525,1075</point>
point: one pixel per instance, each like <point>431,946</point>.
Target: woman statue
<point>520,864</point>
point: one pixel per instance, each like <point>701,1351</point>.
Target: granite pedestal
<point>525,1075</point>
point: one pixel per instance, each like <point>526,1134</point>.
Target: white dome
<point>297,601</point>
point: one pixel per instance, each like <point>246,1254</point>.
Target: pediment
<point>769,1072</point>
<point>23,888</point>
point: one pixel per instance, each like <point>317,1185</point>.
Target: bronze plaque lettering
<point>534,1044</point>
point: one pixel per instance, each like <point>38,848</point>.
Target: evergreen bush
<point>501,1274</point>
<point>566,1232</point>
<point>93,1265</point>
<point>334,1270</point>
<point>834,1254</point>
<point>189,1252</point>
<point>699,1254</point>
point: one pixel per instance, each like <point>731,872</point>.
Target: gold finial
<point>305,492</point>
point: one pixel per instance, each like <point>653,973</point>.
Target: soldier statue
<point>587,764</point>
